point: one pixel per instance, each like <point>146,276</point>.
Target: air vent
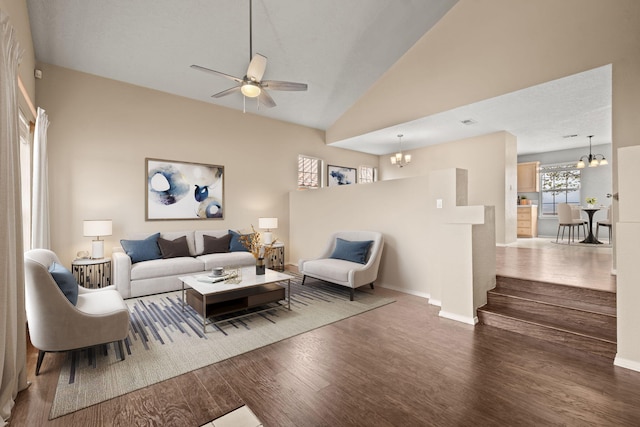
<point>468,122</point>
<point>569,136</point>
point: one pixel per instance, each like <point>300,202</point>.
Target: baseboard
<point>407,291</point>
<point>626,363</point>
<point>435,302</point>
<point>458,318</point>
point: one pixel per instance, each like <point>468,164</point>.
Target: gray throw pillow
<point>174,248</point>
<point>216,245</point>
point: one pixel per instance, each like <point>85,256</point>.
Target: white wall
<point>595,182</point>
<point>101,132</point>
<point>397,208</point>
<point>627,236</point>
<point>492,167</point>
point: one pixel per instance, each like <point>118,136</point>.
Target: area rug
<point>164,341</point>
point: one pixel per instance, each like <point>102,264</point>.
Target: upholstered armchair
<point>99,316</point>
<point>346,260</point>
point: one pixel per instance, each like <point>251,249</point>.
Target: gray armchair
<point>55,324</point>
<point>343,272</point>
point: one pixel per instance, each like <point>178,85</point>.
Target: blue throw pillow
<point>65,281</point>
<point>142,250</point>
<point>352,251</point>
<point>236,245</point>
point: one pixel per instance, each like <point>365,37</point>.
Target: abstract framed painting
<point>181,190</point>
<point>339,175</point>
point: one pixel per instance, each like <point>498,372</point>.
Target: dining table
<point>591,238</point>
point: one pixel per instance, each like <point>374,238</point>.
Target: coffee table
<point>209,298</point>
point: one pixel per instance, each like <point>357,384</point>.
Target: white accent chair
<point>99,317</point>
<point>566,219</point>
<point>576,213</point>
<point>346,273</point>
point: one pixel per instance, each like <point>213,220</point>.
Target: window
<point>309,172</point>
<point>366,174</point>
<point>558,184</point>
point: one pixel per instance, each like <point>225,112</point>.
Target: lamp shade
<point>267,223</point>
<point>101,227</point>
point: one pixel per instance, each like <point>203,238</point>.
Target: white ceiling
<point>339,48</point>
<point>540,117</point>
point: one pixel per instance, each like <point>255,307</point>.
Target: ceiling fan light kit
<point>252,85</point>
<point>250,89</point>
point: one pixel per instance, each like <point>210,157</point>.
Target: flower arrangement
<point>253,243</point>
<point>592,200</point>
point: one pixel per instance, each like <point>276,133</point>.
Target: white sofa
<point>161,275</point>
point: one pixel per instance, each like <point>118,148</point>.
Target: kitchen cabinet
<point>528,181</point>
<point>528,221</point>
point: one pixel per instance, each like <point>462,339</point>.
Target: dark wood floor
<point>399,365</point>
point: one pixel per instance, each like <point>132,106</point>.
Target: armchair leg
<point>121,350</point>
<point>353,292</point>
<point>304,277</point>
<point>371,284</point>
<point>39,363</point>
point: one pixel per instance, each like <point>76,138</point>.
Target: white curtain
<point>13,340</point>
<point>40,195</point>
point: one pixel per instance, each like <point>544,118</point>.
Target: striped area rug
<point>165,341</point>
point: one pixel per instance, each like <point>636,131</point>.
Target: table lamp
<point>267,224</point>
<point>101,227</point>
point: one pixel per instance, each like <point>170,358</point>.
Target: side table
<point>92,273</point>
<point>275,261</point>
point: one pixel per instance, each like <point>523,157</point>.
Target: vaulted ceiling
<point>339,48</point>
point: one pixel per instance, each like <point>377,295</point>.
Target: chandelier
<point>400,159</point>
<point>592,159</point>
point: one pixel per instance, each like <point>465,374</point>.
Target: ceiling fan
<point>252,85</point>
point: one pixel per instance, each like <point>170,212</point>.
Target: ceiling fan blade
<point>226,92</point>
<point>218,73</point>
<point>276,85</point>
<point>266,100</point>
<point>256,67</point>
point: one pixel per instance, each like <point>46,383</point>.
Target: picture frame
<point>177,190</point>
<point>341,175</point>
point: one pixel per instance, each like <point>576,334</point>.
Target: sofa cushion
<point>173,248</point>
<point>236,245</point>
<point>216,245</point>
<point>354,251</point>
<point>166,267</point>
<point>227,260</point>
<point>142,250</point>
<point>333,270</point>
<point>65,281</point>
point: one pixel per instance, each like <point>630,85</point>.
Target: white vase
<point>589,206</point>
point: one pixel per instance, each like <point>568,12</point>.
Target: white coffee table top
<point>204,283</point>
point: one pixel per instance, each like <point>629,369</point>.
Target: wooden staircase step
<point>580,318</point>
<point>590,344</point>
<point>564,321</point>
<point>586,295</point>
<point>605,307</point>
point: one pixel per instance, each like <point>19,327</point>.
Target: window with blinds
<point>366,174</point>
<point>309,172</point>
